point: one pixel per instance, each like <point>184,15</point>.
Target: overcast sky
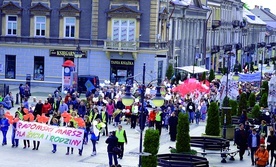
<point>265,3</point>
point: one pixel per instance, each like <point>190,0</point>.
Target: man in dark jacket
<point>112,142</point>
<point>81,109</point>
<point>191,110</point>
<point>241,140</point>
<point>173,121</point>
<point>253,144</point>
<point>38,108</point>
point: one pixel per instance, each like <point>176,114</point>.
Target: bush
<point>212,127</point>
<point>151,145</point>
<point>169,72</point>
<point>264,87</point>
<point>183,134</point>
<point>263,101</point>
<point>226,103</point>
<point>242,104</point>
<point>211,75</point>
<point>252,100</point>
<point>234,105</point>
<point>256,113</point>
<point>203,78</point>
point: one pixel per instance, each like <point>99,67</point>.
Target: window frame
<point>12,22</point>
<point>40,29</point>
<point>70,27</point>
<point>120,29</point>
<point>38,63</point>
<point>10,60</point>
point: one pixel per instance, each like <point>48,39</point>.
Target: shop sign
<point>122,62</point>
<point>66,53</point>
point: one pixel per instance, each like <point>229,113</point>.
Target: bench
<point>214,146</point>
<point>224,154</point>
<point>181,160</point>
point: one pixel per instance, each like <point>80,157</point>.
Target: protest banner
<point>65,136</point>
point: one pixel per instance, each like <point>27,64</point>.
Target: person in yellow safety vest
<point>158,121</point>
<point>94,115</point>
<point>104,118</point>
<point>18,112</point>
<point>122,139</point>
<point>100,125</point>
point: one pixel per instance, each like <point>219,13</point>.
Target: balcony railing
<point>121,45</point>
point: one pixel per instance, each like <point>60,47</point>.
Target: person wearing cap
<point>253,144</point>
<point>261,156</point>
<point>241,140</point>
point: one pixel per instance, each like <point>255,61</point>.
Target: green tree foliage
<point>256,113</point>
<point>252,100</point>
<point>170,71</point>
<point>211,75</point>
<point>151,145</point>
<point>226,112</point>
<point>212,127</point>
<point>203,76</point>
<point>183,134</point>
<point>242,104</point>
<point>264,87</point>
<point>234,106</point>
<point>263,101</point>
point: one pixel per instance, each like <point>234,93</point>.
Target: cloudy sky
<point>265,3</point>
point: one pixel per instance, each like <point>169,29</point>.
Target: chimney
<point>267,9</point>
<point>256,6</point>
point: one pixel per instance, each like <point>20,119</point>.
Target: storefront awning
<point>193,69</point>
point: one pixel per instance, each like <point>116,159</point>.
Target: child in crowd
<point>197,116</point>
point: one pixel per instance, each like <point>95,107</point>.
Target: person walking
<point>122,139</point>
<point>253,144</point>
<point>158,121</point>
<point>261,156</point>
<point>70,125</point>
<point>173,121</point>
<point>4,128</point>
<point>271,143</point>
<point>103,116</point>
<point>191,110</point>
<point>241,140</point>
<point>14,141</point>
<point>112,142</point>
<point>54,122</point>
<point>94,138</point>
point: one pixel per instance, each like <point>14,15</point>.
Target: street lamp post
<point>78,54</point>
<point>196,48</point>
<point>127,100</point>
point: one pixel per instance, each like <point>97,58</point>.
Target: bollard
<point>17,98</point>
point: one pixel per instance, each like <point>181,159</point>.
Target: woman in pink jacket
<point>110,109</point>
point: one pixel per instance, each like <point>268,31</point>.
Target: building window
<point>69,27</point>
<point>40,26</point>
<point>39,68</point>
<point>11,25</point>
<point>123,30</point>
<point>10,67</point>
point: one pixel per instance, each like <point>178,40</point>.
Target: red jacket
<point>46,108</point>
<point>152,115</point>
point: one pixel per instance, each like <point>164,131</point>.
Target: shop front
<point>121,71</point>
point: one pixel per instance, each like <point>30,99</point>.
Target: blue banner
<point>250,77</point>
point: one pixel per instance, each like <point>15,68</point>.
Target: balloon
<point>82,124</point>
<point>8,113</point>
<point>11,121</point>
<point>31,117</point>
<point>25,117</point>
<point>65,114</point>
<point>16,120</point>
<point>25,110</point>
<point>67,119</point>
<point>45,119</point>
<point>9,117</point>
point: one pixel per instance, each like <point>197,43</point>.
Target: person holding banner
<point>54,123</point>
<point>36,143</point>
<point>4,128</point>
<point>15,141</point>
<point>71,125</point>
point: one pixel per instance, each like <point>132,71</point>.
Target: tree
<point>234,106</point>
<point>263,101</point>
<point>226,112</point>
<point>183,134</point>
<point>242,104</point>
<point>151,145</point>
<point>211,75</point>
<point>203,76</point>
<point>252,100</point>
<point>256,113</point>
<point>265,87</point>
<point>170,71</point>
<point>212,127</point>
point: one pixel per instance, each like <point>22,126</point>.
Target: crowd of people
<point>103,107</point>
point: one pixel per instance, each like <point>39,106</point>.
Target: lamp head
<point>128,99</point>
<point>158,100</point>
